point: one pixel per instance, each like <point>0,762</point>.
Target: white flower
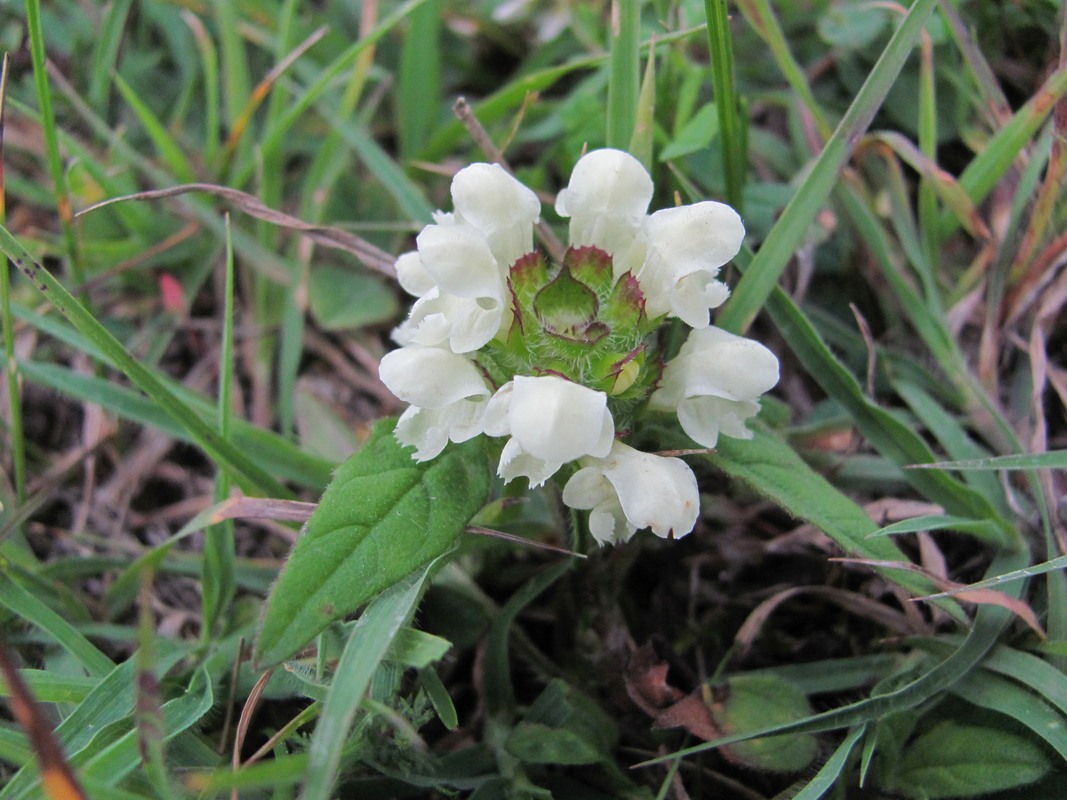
<point>606,200</point>
<point>448,396</point>
<point>675,254</point>
<point>681,251</point>
<point>713,384</point>
<point>629,489</point>
<point>551,421</point>
<point>459,271</point>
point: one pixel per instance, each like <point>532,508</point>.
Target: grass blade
<point>419,81</point>
<point>988,626</point>
<point>17,441</point>
<point>61,191</point>
<point>33,610</point>
<point>785,237</point>
<point>732,133</point>
<point>248,474</point>
<point>267,447</point>
<point>364,651</point>
<point>624,72</point>
<point>105,55</point>
<point>217,580</point>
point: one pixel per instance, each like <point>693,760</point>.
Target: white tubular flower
<point>713,384</point>
<point>447,393</point>
<point>459,272</point>
<point>551,421</point>
<point>504,211</point>
<point>683,250</point>
<point>606,200</point>
<point>629,490</point>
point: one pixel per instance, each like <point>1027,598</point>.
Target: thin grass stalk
<point>106,52</point>
<point>625,71</point>
<point>209,62</point>
<point>928,206</point>
<point>51,138</point>
<point>287,298</point>
<point>732,135</point>
<point>235,73</point>
<point>148,716</point>
<point>14,400</point>
<point>645,122</point>
<point>217,578</point>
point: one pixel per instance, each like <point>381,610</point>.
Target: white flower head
<point>459,272</point>
<point>448,396</point>
<point>550,421</point>
<point>713,383</point>
<point>568,343</point>
<point>629,490</point>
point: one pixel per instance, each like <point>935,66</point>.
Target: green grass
<point>900,173</point>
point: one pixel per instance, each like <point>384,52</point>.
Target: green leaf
<point>755,701</point>
<point>383,516</point>
<point>341,299</point>
<point>563,726</point>
<point>773,468</point>
<point>695,135</point>
<point>953,760</point>
<point>852,26</point>
<point>535,743</point>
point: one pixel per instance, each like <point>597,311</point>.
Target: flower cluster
<point>561,359</point>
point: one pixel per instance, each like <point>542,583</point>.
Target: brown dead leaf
<point>325,235</point>
<point>960,591</point>
<point>646,682</point>
<point>693,714</point>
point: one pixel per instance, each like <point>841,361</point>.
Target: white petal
<point>694,240</point>
<point>430,377</point>
<point>704,418</point>
<point>465,324</point>
<point>428,430</point>
<point>652,492</point>
<point>488,198</point>
<point>655,492</point>
<point>694,295</point>
<point>606,199</point>
<point>497,422</point>
<point>718,363</point>
<point>517,463</point>
<point>706,234</point>
<point>589,489</point>
<point>412,275</point>
<point>559,421</point>
<point>460,261</point>
<point>422,429</point>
